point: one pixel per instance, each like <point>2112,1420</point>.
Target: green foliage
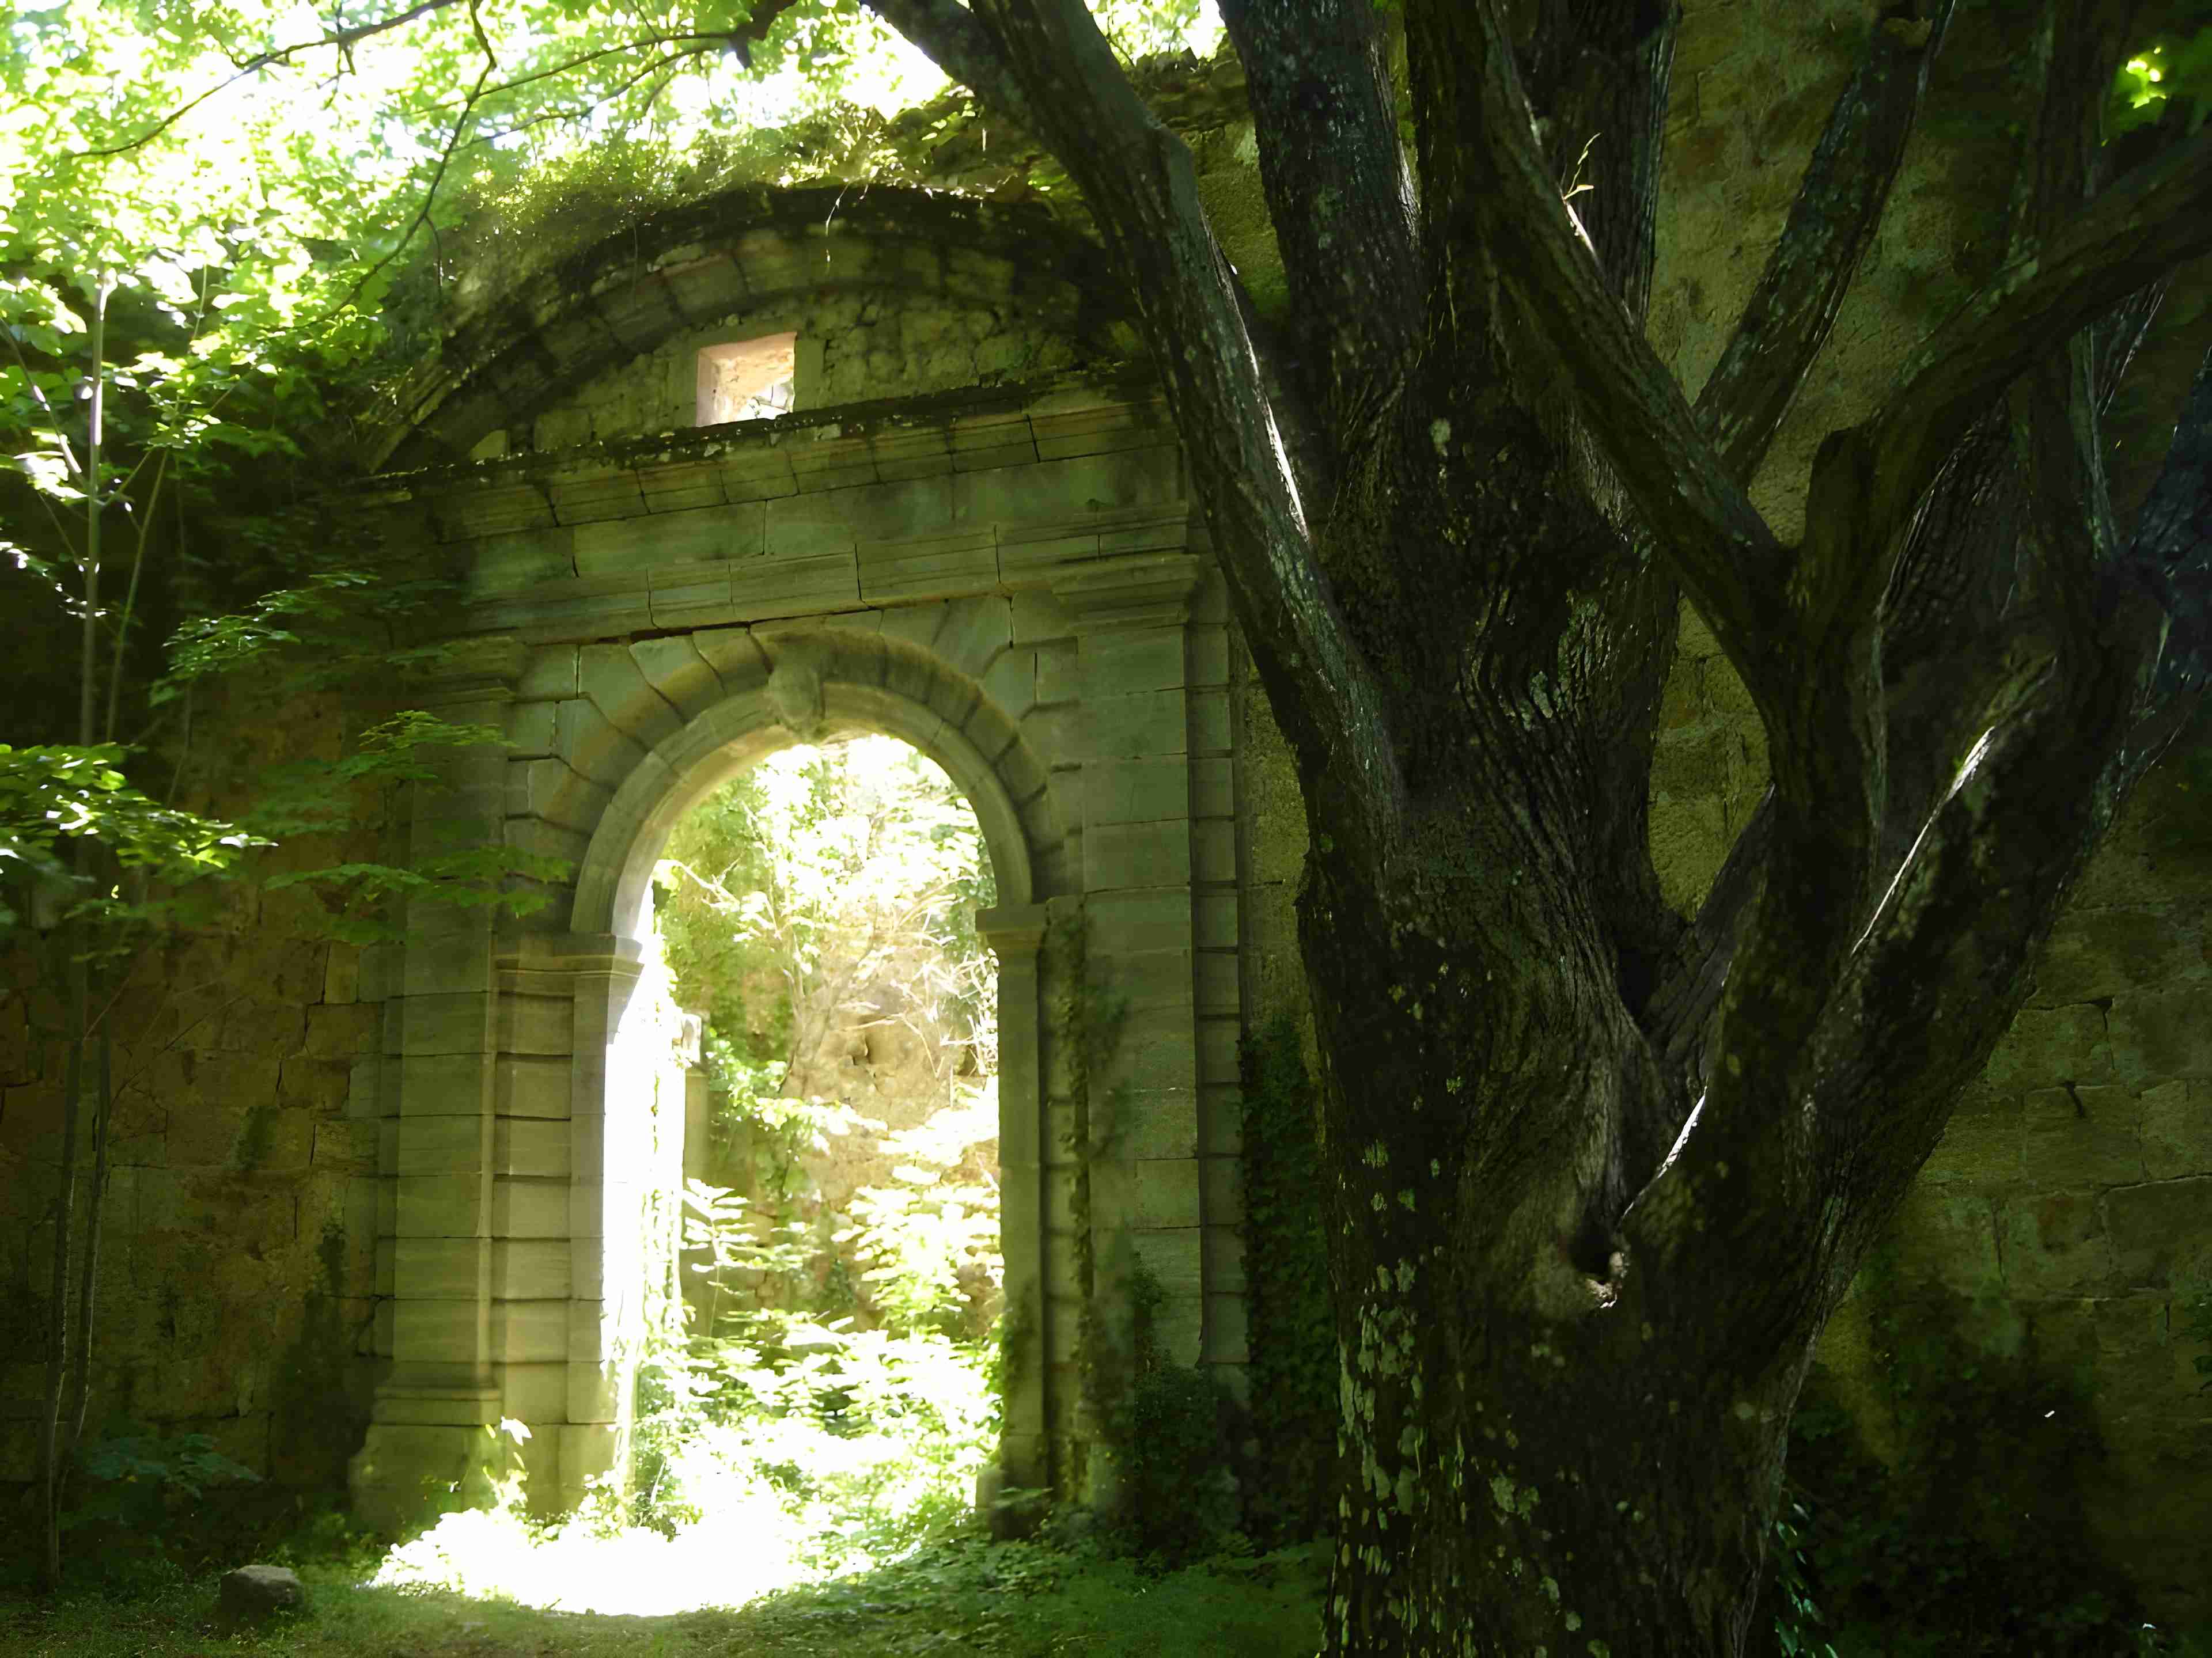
<point>1164,1423</point>
<point>1974,1541</point>
<point>143,1511</point>
<point>2173,65</point>
<point>1293,1340</point>
<point>53,793</point>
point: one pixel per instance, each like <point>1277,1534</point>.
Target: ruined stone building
<point>368,1202</point>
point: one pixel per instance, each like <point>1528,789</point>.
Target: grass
<point>965,1595</point>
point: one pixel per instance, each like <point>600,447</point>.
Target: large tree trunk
<point>1533,1453</point>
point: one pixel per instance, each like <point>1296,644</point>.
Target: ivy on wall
<point>1293,1346</point>
<point>1974,1539</point>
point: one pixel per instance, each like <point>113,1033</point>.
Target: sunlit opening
<point>747,380</point>
<point>814,1395</point>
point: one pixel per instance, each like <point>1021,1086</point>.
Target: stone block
<point>1227,1329</point>
<point>2177,1129</point>
<point>2054,1243</point>
<point>1215,920</point>
<point>252,1025</point>
<point>342,974</point>
<point>926,567</point>
<point>973,634</point>
<point>1039,618</point>
<point>441,1145</point>
<point>548,674</point>
<point>2157,1035</point>
<point>1176,1259</point>
<point>529,1332</point>
<point>2099,953</point>
<point>509,563</point>
<point>1223,1249</point>
<point>675,668</point>
<point>1981,1144</point>
<point>1145,1123</point>
<point>703,535</point>
<point>1061,490</point>
<point>1139,920</point>
<point>533,1086</point>
<point>443,1333</point>
<point>2083,1136</point>
<point>1219,987</point>
<point>442,1269</point>
<point>536,1394</point>
<point>1123,661</point>
<point>2162,1232</point>
<point>440,1085</point>
<point>340,1030</point>
<point>1140,790</point>
<point>793,585</point>
<point>734,655</point>
<point>1209,722</point>
<point>445,1023</point>
<point>690,595</point>
<point>1167,1191</point>
<point>345,1144</point>
<point>317,1084</point>
<point>617,687</point>
<point>2049,1046</point>
<point>1214,852</point>
<point>1947,1236</point>
<point>1123,855</point>
<point>530,1208</point>
<point>530,1146</point>
<point>1010,685</point>
<point>1148,723</point>
<point>1224,1184</point>
<point>1208,655</point>
<point>531,1269</point>
<point>441,1206</point>
<point>593,744</point>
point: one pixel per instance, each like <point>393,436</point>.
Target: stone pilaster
<point>1015,933</point>
<point>1130,617</point>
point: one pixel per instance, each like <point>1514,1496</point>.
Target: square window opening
<point>747,379</point>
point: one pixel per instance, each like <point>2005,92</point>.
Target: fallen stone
<point>252,1596</point>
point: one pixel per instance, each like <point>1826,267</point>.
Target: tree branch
<point>1319,82</point>
<point>958,42</point>
<point>1597,74</point>
<point>1045,64</point>
<point>1700,517</point>
<point>2146,223</point>
<point>342,40</point>
<point>1831,224</point>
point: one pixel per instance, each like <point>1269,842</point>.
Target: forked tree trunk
<point>1535,1457</point>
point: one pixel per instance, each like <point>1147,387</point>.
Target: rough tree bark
<point>1601,1171</point>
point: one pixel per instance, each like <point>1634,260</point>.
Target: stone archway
<point>821,683</point>
<point>1011,585</point>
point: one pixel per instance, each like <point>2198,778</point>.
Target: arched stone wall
<point>1012,589</point>
<point>822,683</point>
<point>745,250</point>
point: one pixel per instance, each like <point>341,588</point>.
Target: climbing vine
<point>1974,1539</point>
<point>1293,1343</point>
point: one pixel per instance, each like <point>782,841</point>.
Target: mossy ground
<point>1007,1600</point>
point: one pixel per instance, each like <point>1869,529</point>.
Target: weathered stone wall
<point>236,1291</point>
<point>2071,1200</point>
<point>852,346</point>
